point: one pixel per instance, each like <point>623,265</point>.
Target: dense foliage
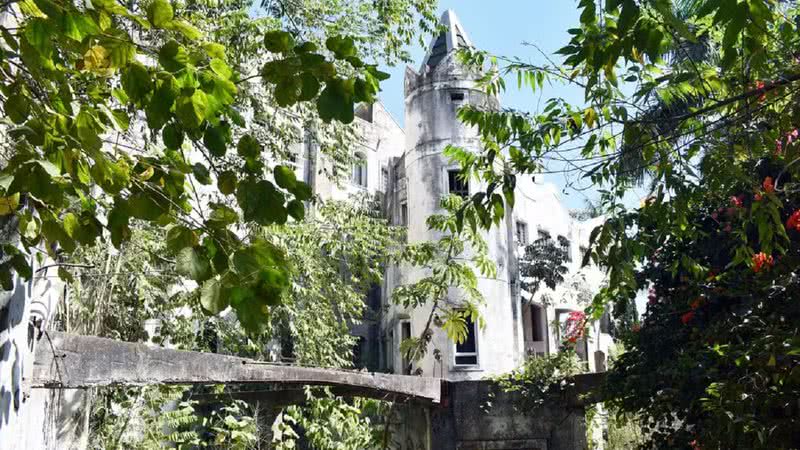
<point>697,103</point>
<point>114,113</point>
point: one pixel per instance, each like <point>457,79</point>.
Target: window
<point>359,352</point>
<point>457,97</point>
<point>456,184</point>
<point>360,170</point>
<point>522,233</point>
<point>405,333</point>
<point>467,351</point>
<point>537,334</point>
<point>287,346</point>
<point>374,297</point>
<point>404,214</point>
<point>385,179</point>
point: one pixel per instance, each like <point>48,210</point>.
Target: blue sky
<point>502,27</point>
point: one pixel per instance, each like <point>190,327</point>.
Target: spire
<point>453,36</point>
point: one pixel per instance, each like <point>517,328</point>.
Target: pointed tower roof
<point>453,36</point>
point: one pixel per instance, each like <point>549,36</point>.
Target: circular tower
<point>432,99</point>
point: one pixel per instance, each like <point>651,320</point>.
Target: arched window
<point>360,170</point>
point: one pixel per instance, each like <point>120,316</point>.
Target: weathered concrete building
<point>407,168</point>
<point>404,166</point>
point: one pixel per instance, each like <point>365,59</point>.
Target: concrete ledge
<point>85,361</point>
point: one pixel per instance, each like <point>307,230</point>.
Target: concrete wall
<point>478,415</point>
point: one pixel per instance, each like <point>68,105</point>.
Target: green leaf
<point>212,296</point>
<point>160,105</point>
<point>227,182</point>
<point>309,87</point>
<point>261,202</point>
<point>180,237</point>
<point>336,101</point>
<point>191,110</point>
<point>284,177</point>
<point>220,68</point>
<point>216,139</point>
<point>173,56</point>
<point>302,191</point>
<point>186,29</point>
<point>287,91</point>
<point>71,225</point>
<point>78,26</point>
<point>342,47</point>
<point>142,206</point>
<point>37,32</point>
<point>17,108</point>
<point>192,264</point>
<point>136,82</point>
<point>296,209</point>
<point>201,173</point>
<point>278,41</point>
<point>160,13</point>
<point>6,277</point>
<point>215,50</point>
<point>118,220</point>
<point>172,135</point>
<point>248,147</point>
<point>222,216</point>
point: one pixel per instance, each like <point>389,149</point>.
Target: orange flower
<point>761,261</point>
<point>768,185</point>
<point>794,221</point>
<point>686,318</point>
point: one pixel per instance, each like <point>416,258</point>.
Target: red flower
<point>768,185</point>
<point>762,260</point>
<point>695,445</point>
<point>696,303</point>
<point>687,317</point>
<point>575,326</point>
<point>794,221</point>
<point>736,201</point>
<point>757,197</point>
<point>760,85</point>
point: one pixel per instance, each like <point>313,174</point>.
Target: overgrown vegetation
<point>696,102</point>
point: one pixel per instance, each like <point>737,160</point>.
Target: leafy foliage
<point>544,261</point>
<point>699,100</point>
<point>116,112</point>
<point>451,262</point>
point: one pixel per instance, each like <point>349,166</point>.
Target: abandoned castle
<point>43,384</point>
<point>406,167</point>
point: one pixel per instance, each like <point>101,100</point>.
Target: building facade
<point>406,168</point>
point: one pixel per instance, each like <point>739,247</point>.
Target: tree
<point>716,137</point>
<point>544,261</point>
<point>82,86</point>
